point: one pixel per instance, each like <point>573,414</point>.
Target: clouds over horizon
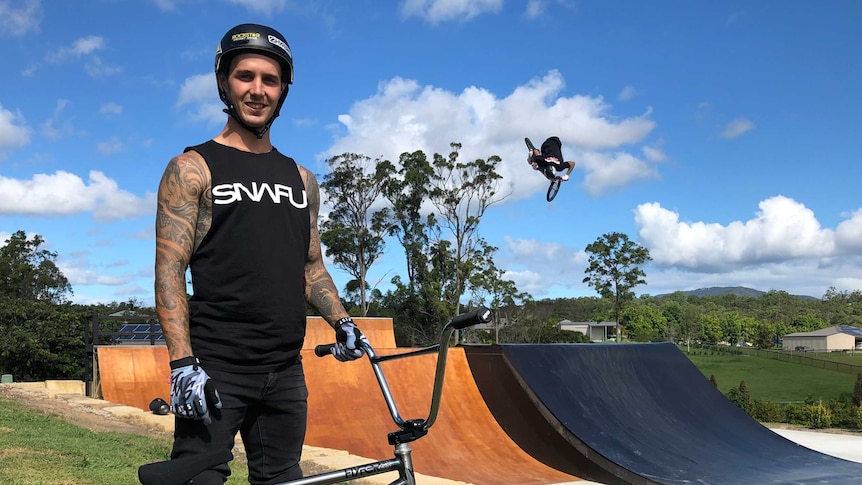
<point>781,241</point>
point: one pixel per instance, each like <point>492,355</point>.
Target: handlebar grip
<point>323,350</point>
<point>482,315</point>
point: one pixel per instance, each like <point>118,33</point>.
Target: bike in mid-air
<point>548,172</point>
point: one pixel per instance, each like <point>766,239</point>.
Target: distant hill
<point>736,290</point>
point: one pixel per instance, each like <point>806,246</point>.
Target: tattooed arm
<point>185,181</point>
<point>320,290</point>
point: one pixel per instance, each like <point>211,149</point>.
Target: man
<point>243,218</point>
<point>550,159</point>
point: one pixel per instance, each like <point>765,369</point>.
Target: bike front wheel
<point>554,188</point>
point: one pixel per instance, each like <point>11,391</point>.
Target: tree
<point>614,269</point>
<point>462,192</point>
<point>417,302</point>
<point>29,272</point>
<point>644,323</point>
<point>489,288</point>
<point>353,232</point>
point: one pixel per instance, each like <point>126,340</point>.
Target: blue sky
<point>722,136</point>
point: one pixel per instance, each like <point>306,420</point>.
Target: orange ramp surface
<point>347,410</point>
<point>134,375</point>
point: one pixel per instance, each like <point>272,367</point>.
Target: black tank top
<point>247,311</point>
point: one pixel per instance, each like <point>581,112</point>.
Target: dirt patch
<point>96,419</point>
<point>80,415</point>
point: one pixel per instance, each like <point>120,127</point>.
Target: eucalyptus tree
<point>614,269</point>
<point>354,230</point>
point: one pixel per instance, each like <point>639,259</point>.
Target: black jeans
<point>268,410</point>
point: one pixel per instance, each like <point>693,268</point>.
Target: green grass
<point>774,380</point>
<point>38,449</point>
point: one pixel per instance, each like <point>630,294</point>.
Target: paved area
<point>847,446</point>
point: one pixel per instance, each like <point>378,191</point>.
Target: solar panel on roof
<point>856,331</point>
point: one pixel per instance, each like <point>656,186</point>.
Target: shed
<point>838,337</point>
<point>596,331</point>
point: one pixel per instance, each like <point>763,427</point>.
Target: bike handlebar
<point>481,315</point>
<point>460,322</point>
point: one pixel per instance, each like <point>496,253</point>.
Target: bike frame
<point>408,430</point>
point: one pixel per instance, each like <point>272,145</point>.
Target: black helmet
<point>257,39</point>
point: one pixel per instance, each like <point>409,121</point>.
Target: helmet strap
<point>230,110</point>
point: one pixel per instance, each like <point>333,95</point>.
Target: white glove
<point>565,177</point>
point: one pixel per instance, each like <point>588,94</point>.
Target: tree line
<point>433,208</point>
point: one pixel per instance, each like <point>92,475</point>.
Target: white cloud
<point>262,6</point>
<point>608,172</point>
<point>535,8</point>
<point>782,230</point>
<point>13,130</point>
<point>200,94</point>
<point>627,93</point>
<point>64,193</point>
<point>96,68</point>
<point>405,116</point>
<point>79,48</point>
<point>110,109</point>
<point>111,146</point>
<point>653,154</point>
<point>436,11</point>
<point>848,235</point>
<point>18,17</point>
<point>537,266</point>
<point>55,128</point>
<point>736,128</point>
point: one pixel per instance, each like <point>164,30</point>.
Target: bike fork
<point>406,475</point>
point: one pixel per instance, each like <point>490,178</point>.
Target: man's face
<point>254,87</point>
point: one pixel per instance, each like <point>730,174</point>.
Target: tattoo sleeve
<point>320,290</point>
<point>177,219</point>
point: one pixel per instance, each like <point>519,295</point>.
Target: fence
<point>106,329</point>
<point>803,358</point>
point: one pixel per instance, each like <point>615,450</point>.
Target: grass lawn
<point>37,449</point>
<point>774,380</point>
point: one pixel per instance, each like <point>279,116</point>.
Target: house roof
<point>588,324</point>
<point>825,332</point>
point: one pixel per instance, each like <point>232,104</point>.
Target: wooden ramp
<point>134,375</point>
<point>347,411</point>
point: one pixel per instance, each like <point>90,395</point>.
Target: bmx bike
<point>180,471</point>
<point>549,174</point>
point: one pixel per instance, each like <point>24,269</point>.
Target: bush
<point>857,391</point>
<point>741,397</point>
<point>819,416</point>
<point>796,414</point>
<point>767,411</point>
<point>858,414</point>
<point>843,411</point>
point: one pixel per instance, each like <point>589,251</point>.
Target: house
<point>838,337</point>
<point>596,331</point>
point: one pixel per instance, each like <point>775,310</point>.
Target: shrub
<point>741,397</point>
<point>767,411</point>
<point>857,391</point>
<point>819,416</point>
<point>796,413</point>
